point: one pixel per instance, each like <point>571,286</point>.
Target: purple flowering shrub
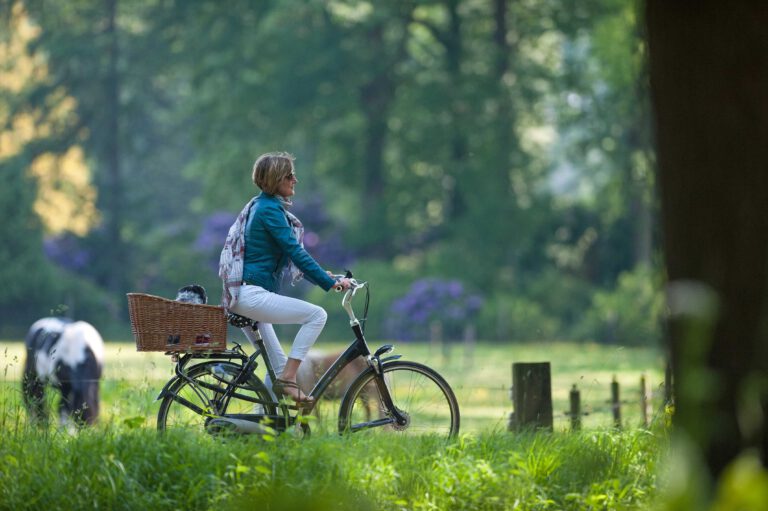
<point>67,251</point>
<point>210,239</point>
<point>429,300</point>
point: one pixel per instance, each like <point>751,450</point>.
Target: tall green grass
<point>124,464</point>
<point>117,467</point>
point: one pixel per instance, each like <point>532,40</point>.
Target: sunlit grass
<point>133,379</point>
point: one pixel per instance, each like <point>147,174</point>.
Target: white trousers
<point>269,308</point>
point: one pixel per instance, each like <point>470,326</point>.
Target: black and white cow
<point>68,355</point>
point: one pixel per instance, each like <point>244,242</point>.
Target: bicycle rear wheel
<point>418,392</point>
<point>190,404</point>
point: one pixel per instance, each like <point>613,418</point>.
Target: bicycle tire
<point>184,407</point>
<point>417,390</point>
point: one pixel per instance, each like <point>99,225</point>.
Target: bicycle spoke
<point>420,395</point>
<point>190,402</point>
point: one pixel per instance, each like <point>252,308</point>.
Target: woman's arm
<point>276,224</point>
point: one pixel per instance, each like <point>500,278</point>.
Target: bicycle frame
<point>358,348</point>
<point>247,363</point>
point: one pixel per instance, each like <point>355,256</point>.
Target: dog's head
<point>192,294</point>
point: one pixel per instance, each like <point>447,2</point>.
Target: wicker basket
<point>159,324</point>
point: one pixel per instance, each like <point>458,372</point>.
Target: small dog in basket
<point>192,294</point>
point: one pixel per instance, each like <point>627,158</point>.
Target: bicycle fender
<point>363,375</point>
<point>386,400</point>
<point>163,392</point>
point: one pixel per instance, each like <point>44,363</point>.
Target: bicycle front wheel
<point>190,403</point>
<point>419,393</point>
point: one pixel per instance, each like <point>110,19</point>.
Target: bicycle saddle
<point>238,321</point>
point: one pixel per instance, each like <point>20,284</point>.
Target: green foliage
<point>120,468</point>
<point>517,319</point>
<point>25,273</point>
<point>630,314</point>
<point>518,165</point>
<point>561,295</point>
<point>123,465</point>
<point>743,484</point>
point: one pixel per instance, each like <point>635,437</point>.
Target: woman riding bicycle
<point>265,241</point>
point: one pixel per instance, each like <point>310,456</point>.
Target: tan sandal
<point>279,387</point>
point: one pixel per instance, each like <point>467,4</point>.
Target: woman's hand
<point>342,284</point>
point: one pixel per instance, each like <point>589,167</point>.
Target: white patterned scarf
<point>233,254</point>
<point>298,232</point>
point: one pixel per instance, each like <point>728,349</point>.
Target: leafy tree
<point>44,185</point>
<point>605,156</point>
<point>434,133</point>
<point>105,59</point>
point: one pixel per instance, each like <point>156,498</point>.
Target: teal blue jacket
<point>269,245</point>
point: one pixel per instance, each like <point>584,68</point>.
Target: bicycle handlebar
<point>346,301</point>
<point>354,283</point>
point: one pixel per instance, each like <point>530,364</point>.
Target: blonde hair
<point>271,168</point>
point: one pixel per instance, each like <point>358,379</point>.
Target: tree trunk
<point>709,77</point>
<point>456,204</point>
<point>506,142</point>
<point>377,96</point>
<point>115,250</point>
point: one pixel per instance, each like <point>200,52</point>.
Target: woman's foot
<point>291,389</point>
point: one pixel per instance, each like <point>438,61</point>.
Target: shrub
<point>429,300</point>
<point>513,318</point>
<point>630,314</point>
<point>560,295</point>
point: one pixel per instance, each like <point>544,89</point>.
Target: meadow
<point>123,464</point>
<point>481,382</point>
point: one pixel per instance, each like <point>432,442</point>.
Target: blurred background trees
<point>501,146</point>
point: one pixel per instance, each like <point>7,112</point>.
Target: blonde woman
<point>264,242</point>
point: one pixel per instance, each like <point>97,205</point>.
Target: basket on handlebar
<point>159,324</point>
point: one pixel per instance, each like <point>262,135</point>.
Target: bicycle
<point>224,394</point>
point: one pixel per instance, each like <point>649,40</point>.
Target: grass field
<point>482,384</point>
<point>123,464</point>
<point>121,469</point>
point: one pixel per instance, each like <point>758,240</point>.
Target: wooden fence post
<point>668,383</point>
<point>575,413</point>
<point>615,403</point>
<point>643,401</point>
<point>532,396</point>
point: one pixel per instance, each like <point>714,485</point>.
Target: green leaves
<point>457,139</point>
<point>134,422</point>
